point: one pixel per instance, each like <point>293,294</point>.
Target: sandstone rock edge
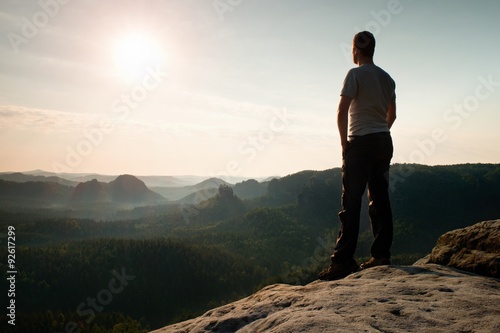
<point>474,249</point>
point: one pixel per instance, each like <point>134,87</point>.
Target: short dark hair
<point>365,42</point>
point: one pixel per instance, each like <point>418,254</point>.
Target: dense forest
<point>154,281</point>
<point>160,263</point>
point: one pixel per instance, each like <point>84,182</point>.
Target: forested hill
<point>125,189</point>
<point>428,201</point>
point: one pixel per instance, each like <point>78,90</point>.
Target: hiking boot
<point>338,270</point>
<point>375,262</point>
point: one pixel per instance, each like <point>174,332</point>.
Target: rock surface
<point>424,297</point>
<point>474,249</point>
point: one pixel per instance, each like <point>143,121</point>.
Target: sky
<point>240,88</point>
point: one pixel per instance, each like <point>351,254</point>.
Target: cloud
<point>43,120</point>
<point>73,123</point>
<point>229,107</point>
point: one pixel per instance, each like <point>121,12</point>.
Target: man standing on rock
<point>368,106</point>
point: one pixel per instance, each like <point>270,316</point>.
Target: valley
<point>208,243</point>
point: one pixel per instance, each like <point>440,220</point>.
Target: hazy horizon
<point>236,88</point>
<point>394,168</point>
<point>36,171</point>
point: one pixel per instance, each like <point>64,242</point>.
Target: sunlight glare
<point>134,53</point>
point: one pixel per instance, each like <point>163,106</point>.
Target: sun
<point>134,54</point>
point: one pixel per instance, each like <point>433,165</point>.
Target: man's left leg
<point>380,215</point>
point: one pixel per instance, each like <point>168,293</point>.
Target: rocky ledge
<point>424,297</point>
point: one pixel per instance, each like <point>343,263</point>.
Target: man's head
<point>363,45</point>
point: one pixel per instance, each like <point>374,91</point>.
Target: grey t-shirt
<point>372,90</point>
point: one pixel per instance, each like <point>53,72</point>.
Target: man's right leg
<point>355,174</point>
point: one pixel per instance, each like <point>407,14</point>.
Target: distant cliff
<point>124,189</point>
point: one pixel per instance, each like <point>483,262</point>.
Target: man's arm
<point>391,114</point>
<point>342,119</point>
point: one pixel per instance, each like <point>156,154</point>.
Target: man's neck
<point>365,61</point>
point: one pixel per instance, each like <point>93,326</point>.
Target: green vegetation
<point>154,280</point>
<point>177,260</point>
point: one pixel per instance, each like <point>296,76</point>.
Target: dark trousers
<point>366,161</point>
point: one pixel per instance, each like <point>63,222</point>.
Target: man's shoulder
<point>382,73</point>
<point>368,68</point>
<point>369,73</point>
<point>354,72</point>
